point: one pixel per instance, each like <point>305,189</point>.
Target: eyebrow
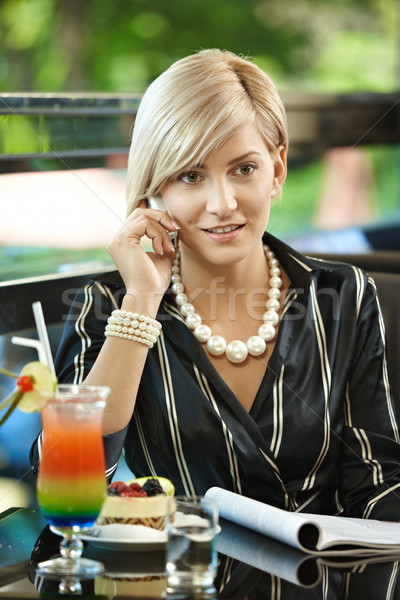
<point>233,160</point>
<point>243,156</point>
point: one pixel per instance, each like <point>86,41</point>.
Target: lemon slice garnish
<point>44,385</point>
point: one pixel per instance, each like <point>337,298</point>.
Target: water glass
<point>191,562</point>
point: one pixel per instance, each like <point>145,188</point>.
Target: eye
<point>246,169</point>
<point>190,177</point>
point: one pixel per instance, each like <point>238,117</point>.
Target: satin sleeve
<point>369,484</point>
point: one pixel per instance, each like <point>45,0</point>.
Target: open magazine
<point>313,534</point>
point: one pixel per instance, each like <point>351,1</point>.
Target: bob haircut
<point>191,109</point>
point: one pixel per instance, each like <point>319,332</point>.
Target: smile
<point>224,229</point>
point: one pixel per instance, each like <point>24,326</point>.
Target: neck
<point>249,273</point>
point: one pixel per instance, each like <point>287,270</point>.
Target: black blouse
<point>321,435</point>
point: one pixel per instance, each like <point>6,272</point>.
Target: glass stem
<point>71,547</point>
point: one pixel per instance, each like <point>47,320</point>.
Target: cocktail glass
<point>72,486</point>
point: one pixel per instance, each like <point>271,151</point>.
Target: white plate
<point>108,543</point>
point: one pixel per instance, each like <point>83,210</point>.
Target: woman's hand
<point>145,274</point>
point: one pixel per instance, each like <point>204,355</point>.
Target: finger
<point>143,226</point>
<point>160,216</point>
<point>159,238</point>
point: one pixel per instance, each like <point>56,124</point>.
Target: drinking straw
<point>42,333</point>
<point>31,344</point>
<point>42,345</point>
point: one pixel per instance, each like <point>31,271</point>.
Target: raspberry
<point>119,487</point>
<point>152,487</point>
<point>115,484</point>
<point>135,486</point>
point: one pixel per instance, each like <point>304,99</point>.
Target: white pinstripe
<point>278,476</point>
<point>172,417</point>
<point>373,501</point>
<point>392,581</point>
<point>85,338</point>
<point>326,381</point>
<point>142,440</point>
<point>278,414</point>
<point>367,456</point>
<point>385,373</point>
<point>232,458</point>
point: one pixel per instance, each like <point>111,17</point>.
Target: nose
<point>221,199</point>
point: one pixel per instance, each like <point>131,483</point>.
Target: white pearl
<point>271,316</point>
<point>236,351</point>
<point>181,298</point>
<point>177,288</point>
<point>275,282</point>
<point>193,320</point>
<point>273,293</point>
<point>216,345</point>
<point>186,308</point>
<point>266,331</point>
<point>256,345</point>
<point>272,304</point>
<point>202,333</point>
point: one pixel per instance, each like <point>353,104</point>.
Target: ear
<point>280,168</point>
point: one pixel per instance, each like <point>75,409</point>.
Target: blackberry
<point>152,487</point>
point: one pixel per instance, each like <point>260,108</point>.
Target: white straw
<point>20,341</point>
<point>42,333</point>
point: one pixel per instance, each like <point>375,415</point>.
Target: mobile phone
<point>158,203</point>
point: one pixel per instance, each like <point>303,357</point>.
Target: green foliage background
<point>121,45</point>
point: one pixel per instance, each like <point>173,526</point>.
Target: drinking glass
<point>191,564</point>
<point>72,486</point>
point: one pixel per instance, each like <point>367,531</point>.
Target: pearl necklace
<point>236,351</point>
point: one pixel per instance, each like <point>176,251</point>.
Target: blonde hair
<point>191,109</point>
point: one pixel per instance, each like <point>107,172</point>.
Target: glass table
<point>251,566</point>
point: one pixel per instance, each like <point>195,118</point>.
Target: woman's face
<point>222,206</point>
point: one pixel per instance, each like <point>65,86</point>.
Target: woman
<point>297,411</point>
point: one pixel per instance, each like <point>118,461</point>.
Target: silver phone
<point>158,203</point>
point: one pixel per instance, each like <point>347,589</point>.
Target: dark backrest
<point>56,294</point>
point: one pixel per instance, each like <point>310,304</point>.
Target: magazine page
<point>261,517</point>
<point>315,534</point>
<point>367,534</point>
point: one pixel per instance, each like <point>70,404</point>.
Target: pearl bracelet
<point>132,326</point>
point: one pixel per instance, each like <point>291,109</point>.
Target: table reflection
<point>251,567</point>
